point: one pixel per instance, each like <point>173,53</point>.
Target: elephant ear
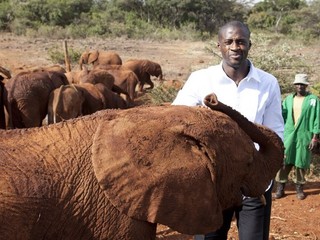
<point>93,56</point>
<point>157,172</point>
<point>148,67</point>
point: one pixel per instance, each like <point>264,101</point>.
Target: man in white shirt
<point>255,94</point>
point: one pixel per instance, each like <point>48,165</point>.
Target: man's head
<point>234,43</point>
<point>301,83</point>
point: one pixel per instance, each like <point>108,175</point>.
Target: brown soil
<point>292,219</point>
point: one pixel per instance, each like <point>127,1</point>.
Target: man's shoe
<point>280,191</point>
<point>300,194</point>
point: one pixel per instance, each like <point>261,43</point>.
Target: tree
<point>6,15</point>
<point>270,13</point>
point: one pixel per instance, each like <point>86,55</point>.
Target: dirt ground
<point>291,219</point>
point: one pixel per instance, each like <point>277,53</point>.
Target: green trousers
<point>283,173</point>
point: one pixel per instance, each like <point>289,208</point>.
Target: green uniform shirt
<point>297,138</point>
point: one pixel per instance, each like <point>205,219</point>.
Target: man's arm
<point>188,94</point>
<point>273,115</point>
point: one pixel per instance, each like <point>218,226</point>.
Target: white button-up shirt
<point>257,96</point>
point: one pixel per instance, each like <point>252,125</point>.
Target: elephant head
<point>189,168</point>
<point>266,161</point>
<point>152,68</point>
<point>112,99</point>
<point>88,57</point>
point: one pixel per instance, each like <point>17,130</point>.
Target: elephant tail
<point>56,104</point>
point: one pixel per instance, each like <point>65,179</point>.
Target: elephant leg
<point>30,115</point>
<point>14,116</point>
<point>140,86</point>
<point>150,83</point>
<point>135,229</point>
<point>2,117</point>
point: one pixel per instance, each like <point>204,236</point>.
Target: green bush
<point>56,55</point>
<point>261,20</point>
<point>162,94</point>
<point>275,54</point>
<point>45,31</point>
<point>6,15</point>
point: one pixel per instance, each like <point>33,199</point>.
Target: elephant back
<point>93,98</point>
<point>109,58</point>
<point>99,76</point>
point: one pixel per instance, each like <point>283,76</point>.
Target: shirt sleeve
<point>316,123</point>
<point>273,114</point>
<point>188,94</point>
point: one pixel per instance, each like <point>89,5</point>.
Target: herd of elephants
<point>116,173</point>
<point>50,91</point>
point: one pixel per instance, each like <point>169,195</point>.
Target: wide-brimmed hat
<point>301,79</point>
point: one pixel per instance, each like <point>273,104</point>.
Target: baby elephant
<point>71,101</point>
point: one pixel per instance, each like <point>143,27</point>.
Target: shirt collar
<point>252,75</point>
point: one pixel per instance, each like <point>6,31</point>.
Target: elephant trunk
<point>270,153</point>
<point>250,128</point>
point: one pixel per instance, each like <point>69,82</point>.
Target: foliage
<point>274,55</point>
<point>314,170</point>
<point>57,56</point>
<point>291,17</point>
<point>5,15</point>
<point>162,94</point>
<point>142,18</point>
<point>131,18</point>
<point>51,12</point>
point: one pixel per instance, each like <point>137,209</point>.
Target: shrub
<point>57,56</point>
<point>163,94</point>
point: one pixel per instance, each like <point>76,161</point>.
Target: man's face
<point>234,44</point>
<point>301,89</point>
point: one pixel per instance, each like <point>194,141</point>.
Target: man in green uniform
<point>301,113</point>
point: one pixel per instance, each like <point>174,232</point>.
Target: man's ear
<point>250,44</point>
<point>218,44</point>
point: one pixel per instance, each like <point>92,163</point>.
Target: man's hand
<point>313,144</point>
